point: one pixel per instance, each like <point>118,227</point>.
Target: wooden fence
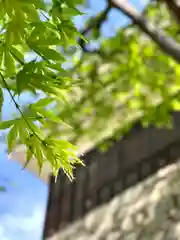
<point>128,161</point>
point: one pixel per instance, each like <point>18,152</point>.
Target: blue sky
<point>22,207</point>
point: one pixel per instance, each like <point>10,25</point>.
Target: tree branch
<point>174,8</point>
<point>94,23</point>
<point>166,43</point>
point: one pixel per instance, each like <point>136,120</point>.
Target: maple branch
<point>19,109</point>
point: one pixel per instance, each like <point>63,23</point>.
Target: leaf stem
<point>44,16</point>
<point>19,60</point>
<point>19,109</point>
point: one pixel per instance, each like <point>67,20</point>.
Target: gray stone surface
<point>150,210</point>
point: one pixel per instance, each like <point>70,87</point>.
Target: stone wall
<point>149,210</point>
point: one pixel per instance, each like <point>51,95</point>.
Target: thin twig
<point>44,16</point>
<point>94,23</point>
<point>17,59</point>
<point>19,109</point>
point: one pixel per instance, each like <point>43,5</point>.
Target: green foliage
<point>128,77</point>
<point>35,28</point>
